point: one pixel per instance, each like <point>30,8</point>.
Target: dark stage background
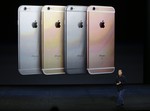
<point>131,44</point>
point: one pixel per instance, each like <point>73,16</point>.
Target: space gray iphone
<point>29,39</point>
<point>75,39</point>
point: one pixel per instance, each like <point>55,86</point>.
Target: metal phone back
<point>29,39</point>
<point>100,39</point>
<point>52,39</point>
<point>75,39</point>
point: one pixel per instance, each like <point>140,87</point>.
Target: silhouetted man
<point>120,83</point>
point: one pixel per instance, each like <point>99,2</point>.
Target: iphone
<point>52,25</point>
<point>75,39</point>
<point>100,39</point>
<point>29,39</point>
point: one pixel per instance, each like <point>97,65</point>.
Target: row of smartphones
<point>65,39</point>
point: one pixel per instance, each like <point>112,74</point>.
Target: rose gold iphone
<point>100,39</point>
<point>52,39</point>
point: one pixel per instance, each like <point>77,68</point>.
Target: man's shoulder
<point>123,76</point>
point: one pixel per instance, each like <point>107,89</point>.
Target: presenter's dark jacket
<point>122,79</point>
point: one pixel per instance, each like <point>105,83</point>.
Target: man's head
<point>120,72</point>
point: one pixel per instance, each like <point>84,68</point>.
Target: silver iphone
<point>29,39</point>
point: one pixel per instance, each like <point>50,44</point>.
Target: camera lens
<point>71,8</point>
<point>25,8</point>
<point>93,8</point>
<point>48,8</point>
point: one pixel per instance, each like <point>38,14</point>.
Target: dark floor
<point>72,98</point>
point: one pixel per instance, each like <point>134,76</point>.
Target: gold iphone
<point>100,39</point>
<point>52,39</point>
